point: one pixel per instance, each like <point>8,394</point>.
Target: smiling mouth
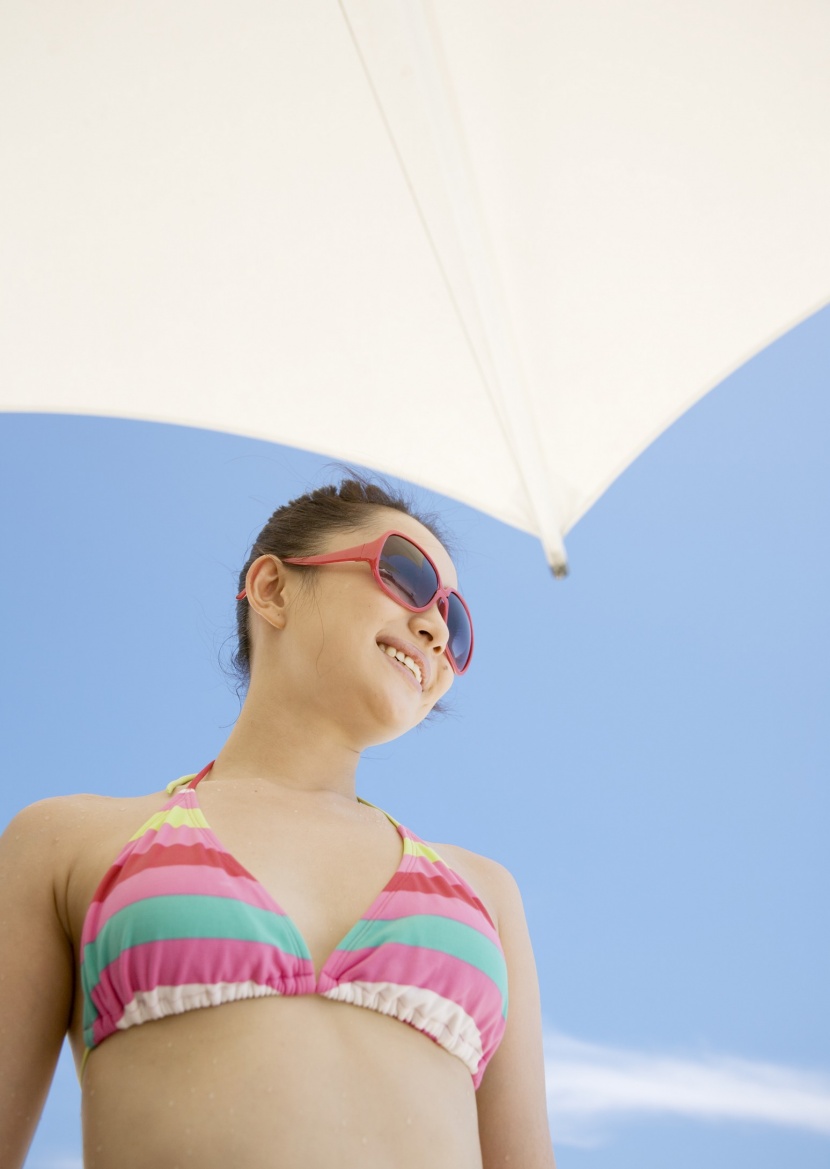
<point>404,660</point>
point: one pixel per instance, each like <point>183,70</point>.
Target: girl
<point>274,973</point>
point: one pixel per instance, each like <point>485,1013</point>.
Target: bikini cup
<point>178,924</point>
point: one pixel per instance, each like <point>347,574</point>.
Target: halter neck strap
<point>189,780</point>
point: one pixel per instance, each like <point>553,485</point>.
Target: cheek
<point>446,677</point>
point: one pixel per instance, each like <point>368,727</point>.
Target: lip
<point>416,655</point>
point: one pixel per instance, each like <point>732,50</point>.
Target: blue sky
<point>644,744</point>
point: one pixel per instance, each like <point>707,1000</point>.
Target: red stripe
<point>161,855</point>
<point>439,885</point>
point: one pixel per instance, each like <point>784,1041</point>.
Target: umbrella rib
<point>552,539</point>
<point>425,225</point>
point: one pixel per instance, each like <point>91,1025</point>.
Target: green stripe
<point>435,933</point>
<point>183,915</point>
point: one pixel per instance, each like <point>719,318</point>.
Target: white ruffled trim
<point>443,1020</point>
<point>162,1001</point>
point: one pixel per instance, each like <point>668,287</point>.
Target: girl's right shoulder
<point>57,849</point>
<point>47,840</point>
<point>40,849</point>
<point>60,824</point>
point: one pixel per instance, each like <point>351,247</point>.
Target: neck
<point>299,750</point>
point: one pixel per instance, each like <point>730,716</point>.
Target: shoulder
<point>59,821</point>
<point>38,969</point>
<point>36,850</point>
<point>51,842</point>
<point>46,824</point>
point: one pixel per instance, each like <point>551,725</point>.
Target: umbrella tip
<point>556,555</point>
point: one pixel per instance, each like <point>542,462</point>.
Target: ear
<point>268,590</point>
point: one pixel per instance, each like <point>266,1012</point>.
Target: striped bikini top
<point>177,923</point>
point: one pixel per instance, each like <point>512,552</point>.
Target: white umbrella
<point>493,248</point>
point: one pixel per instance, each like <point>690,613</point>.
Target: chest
<point>323,867</point>
<point>215,900</point>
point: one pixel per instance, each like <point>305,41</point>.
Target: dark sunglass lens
<point>461,631</point>
<point>406,572</point>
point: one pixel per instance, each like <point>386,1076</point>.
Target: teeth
<point>405,659</point>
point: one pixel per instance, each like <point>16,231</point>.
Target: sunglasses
<point>408,576</point>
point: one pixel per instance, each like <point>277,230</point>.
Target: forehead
<point>387,519</point>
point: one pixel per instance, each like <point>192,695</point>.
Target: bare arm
<point>512,1107</point>
<point>37,973</point>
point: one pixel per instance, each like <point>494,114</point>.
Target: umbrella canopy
<point>491,248</point>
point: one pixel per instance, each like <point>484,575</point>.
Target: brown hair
<point>299,527</point>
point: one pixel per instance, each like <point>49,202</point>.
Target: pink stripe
<point>197,880</point>
<point>403,903</point>
<point>194,960</point>
<point>448,976</point>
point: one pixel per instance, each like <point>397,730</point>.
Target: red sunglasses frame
<point>370,554</point>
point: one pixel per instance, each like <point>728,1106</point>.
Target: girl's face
<point>325,647</point>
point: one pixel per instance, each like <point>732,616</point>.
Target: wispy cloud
<point>589,1085</point>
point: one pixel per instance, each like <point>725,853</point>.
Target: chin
<point>394,719</point>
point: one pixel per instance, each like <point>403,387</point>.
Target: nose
<point>431,626</point>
